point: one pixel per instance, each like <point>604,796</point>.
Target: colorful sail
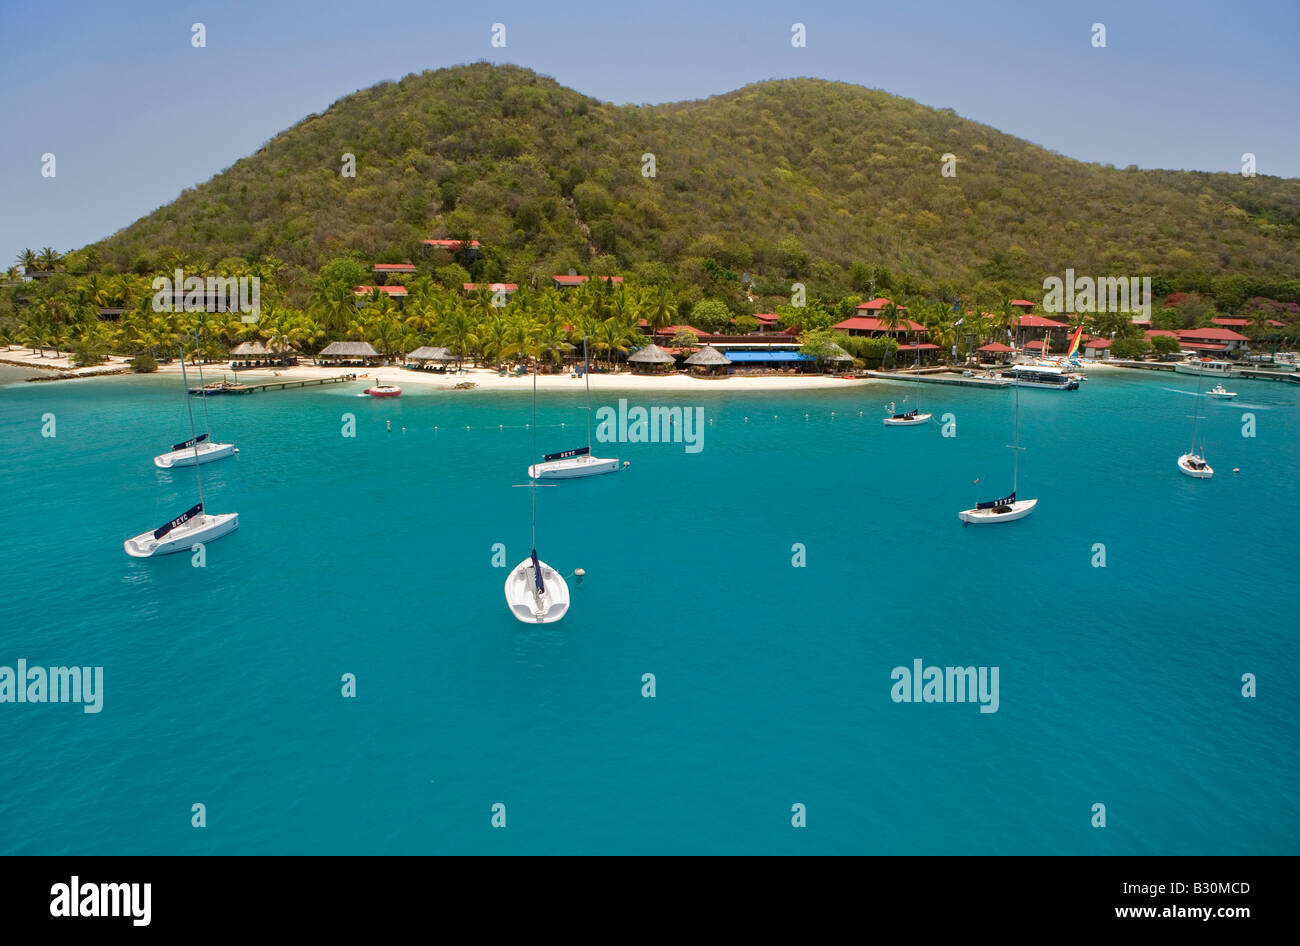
<point>1074,342</point>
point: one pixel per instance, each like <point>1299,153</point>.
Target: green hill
<point>790,179</point>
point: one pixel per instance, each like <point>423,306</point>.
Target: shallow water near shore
<point>372,555</point>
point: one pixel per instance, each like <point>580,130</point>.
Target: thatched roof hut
<point>708,360</point>
<point>344,352</point>
<point>253,349</point>
<point>427,353</point>
<point>650,359</point>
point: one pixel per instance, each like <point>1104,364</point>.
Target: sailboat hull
<point>207,453</point>
<point>529,607</point>
<point>573,467</point>
<point>1204,472</point>
<point>202,528</point>
<point>1009,513</point>
<point>908,421</point>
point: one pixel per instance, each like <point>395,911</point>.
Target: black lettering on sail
<point>1005,501</point>
<point>191,442</point>
<point>182,518</point>
<point>566,454</point>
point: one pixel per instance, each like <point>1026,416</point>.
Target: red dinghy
<point>384,390</point>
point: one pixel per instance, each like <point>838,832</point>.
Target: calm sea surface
<point>372,555</point>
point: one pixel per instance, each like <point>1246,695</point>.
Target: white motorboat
<point>1219,392</point>
<point>182,533</point>
<point>571,464</point>
<point>192,454</point>
<point>193,526</point>
<point>1041,376</point>
<point>536,592</point>
<point>1008,508</point>
<point>1217,369</point>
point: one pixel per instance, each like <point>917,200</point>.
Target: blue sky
<point>134,114</point>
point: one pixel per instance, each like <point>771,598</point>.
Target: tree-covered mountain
<point>799,179</point>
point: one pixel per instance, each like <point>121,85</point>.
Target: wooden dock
<point>1254,374</point>
<point>229,387</point>
<point>972,382</point>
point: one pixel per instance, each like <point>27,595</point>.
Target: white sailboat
<point>535,592</point>
<point>198,449</point>
<point>190,527</point>
<point>1191,462</point>
<point>1008,508</point>
<point>570,464</point>
<point>912,418</point>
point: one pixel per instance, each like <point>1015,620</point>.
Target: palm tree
<point>611,337</point>
<point>455,329</point>
<point>49,259</point>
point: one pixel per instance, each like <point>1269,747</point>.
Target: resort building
<point>1032,329</point>
<point>1024,305</point>
<point>363,293</point>
<point>767,321</point>
<point>509,288</point>
<point>1097,349</point>
<point>994,352</point>
<point>668,331</point>
<point>1214,340</point>
<point>394,269</point>
<point>870,324</point>
<point>452,247</point>
<point>360,354</point>
<point>569,281</point>
<point>921,353</point>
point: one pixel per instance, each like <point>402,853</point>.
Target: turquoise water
<point>373,556</point>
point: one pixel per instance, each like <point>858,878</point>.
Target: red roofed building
<point>394,292</point>
<point>995,351</point>
<point>878,303</point>
<point>1225,338</point>
<point>453,246</point>
<point>1032,329</point>
<point>671,330</point>
<point>1023,304</point>
<point>1097,348</point>
<point>872,326</point>
<point>507,287</point>
<point>566,282</point>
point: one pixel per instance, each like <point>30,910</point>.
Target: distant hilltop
<point>780,180</point>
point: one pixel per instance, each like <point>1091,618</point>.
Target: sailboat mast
<point>586,376</point>
<point>532,481</point>
<point>1015,464</point>
<point>1196,411</point>
<point>189,405</point>
<point>203,392</point>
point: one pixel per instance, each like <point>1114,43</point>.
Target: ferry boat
<point>1039,376</point>
<point>1217,369</point>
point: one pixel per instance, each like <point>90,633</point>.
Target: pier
<point>1242,371</point>
<point>945,378</point>
<point>232,387</point>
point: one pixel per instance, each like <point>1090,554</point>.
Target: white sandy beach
<point>485,379</point>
